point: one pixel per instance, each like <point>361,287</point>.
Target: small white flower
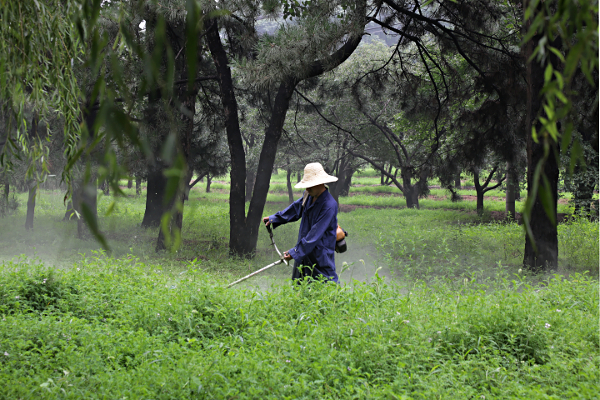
<point>78,269</point>
<point>552,346</point>
<point>17,297</point>
<point>158,315</point>
<point>558,310</point>
<point>349,369</point>
<point>405,321</point>
<point>547,325</point>
<point>439,332</point>
<point>6,353</point>
<point>429,340</point>
<point>287,361</point>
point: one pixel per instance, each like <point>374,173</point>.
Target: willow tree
<point>37,71</point>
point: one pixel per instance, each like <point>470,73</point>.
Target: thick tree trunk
<point>412,196</point>
<point>342,186</point>
<point>480,203</point>
<point>246,244</point>
<point>510,193</point>
<point>410,192</point>
<point>299,177</point>
<point>129,183</point>
<point>244,231</point>
<point>544,231</point>
<point>237,191</point>
<point>30,206</point>
<point>155,193</point>
<point>289,185</point>
<point>208,182</point>
<point>345,188</point>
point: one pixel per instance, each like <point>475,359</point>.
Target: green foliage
<point>126,328</point>
<point>38,52</point>
<point>577,243</point>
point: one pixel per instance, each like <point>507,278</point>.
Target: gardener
<point>314,252</point>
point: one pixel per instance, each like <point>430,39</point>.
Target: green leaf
<point>548,73</point>
<point>547,199</point>
<point>557,53</point>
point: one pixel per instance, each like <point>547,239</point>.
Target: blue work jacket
<point>316,239</point>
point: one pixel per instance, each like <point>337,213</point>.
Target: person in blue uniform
<point>314,252</point>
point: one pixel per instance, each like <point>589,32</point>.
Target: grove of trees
<point>174,91</point>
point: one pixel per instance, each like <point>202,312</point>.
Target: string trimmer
<point>281,260</point>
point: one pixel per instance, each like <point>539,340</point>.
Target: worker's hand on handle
<point>266,221</point>
<point>286,256</point>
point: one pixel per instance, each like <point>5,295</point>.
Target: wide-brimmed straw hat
<point>314,175</point>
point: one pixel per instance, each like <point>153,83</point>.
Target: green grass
<point>433,304</point>
<point>115,328</point>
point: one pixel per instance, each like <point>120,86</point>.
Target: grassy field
<point>433,304</point>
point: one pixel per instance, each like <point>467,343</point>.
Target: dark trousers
<point>309,268</point>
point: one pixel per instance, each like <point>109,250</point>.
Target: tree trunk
<point>457,182</point>
<point>345,188</point>
<point>237,191</point>
<point>138,185</point>
<point>73,205</point>
<point>129,183</point>
<point>479,191</point>
<point>543,231</point>
<point>105,188</point>
<point>299,178</point>
<point>175,224</point>
<point>246,244</point>
<point>155,193</point>
<point>30,206</point>
<point>208,182</point>
<point>410,192</point>
<point>289,185</point>
<point>88,204</point>
<point>510,193</point>
<point>480,203</point>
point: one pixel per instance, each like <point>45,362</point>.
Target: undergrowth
<point>114,328</point>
